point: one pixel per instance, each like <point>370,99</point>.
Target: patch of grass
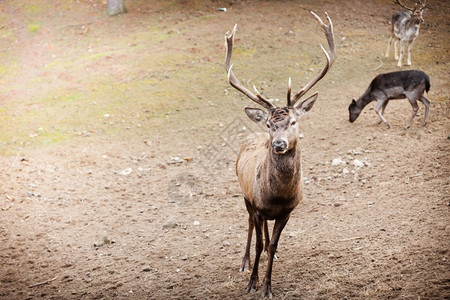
<point>154,34</point>
<point>43,121</point>
<point>34,26</point>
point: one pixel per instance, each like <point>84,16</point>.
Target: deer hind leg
<point>277,229</point>
<point>246,260</point>
<point>380,104</point>
<point>415,108</point>
<point>259,223</point>
<point>383,107</point>
<point>266,236</point>
<point>267,239</point>
<point>425,102</point>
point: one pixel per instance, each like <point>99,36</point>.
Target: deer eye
<point>293,122</point>
<point>267,124</point>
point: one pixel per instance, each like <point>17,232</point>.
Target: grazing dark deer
<point>269,164</point>
<point>409,84</point>
<point>405,28</point>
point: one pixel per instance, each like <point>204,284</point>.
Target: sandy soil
<point>139,199</point>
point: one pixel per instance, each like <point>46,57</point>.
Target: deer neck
<point>364,99</point>
<point>283,173</point>
<point>413,22</point>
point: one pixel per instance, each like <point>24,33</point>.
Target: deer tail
<point>427,84</point>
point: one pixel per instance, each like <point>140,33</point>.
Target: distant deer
<point>405,28</point>
<point>409,84</point>
<point>269,164</point>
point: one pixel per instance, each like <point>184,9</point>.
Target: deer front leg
<point>402,48</point>
<point>389,46</point>
<point>383,107</point>
<point>277,229</point>
<point>395,49</point>
<point>380,104</point>
<point>259,223</point>
<point>409,52</point>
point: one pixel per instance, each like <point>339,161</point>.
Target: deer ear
<point>304,106</point>
<point>353,102</point>
<point>257,115</point>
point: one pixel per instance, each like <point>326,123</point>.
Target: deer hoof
<point>267,291</point>
<point>251,288</point>
<point>245,265</point>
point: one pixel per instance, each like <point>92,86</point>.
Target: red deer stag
<point>405,28</point>
<point>269,164</point>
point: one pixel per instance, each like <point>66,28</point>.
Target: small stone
<point>226,244</point>
<point>170,223</point>
<point>196,223</point>
<point>357,163</point>
<point>337,161</point>
<point>146,269</point>
<point>126,172</point>
<point>104,240</point>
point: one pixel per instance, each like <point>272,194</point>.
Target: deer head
<point>417,11</point>
<point>281,121</point>
<point>354,110</point>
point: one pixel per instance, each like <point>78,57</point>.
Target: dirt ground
<point>118,137</point>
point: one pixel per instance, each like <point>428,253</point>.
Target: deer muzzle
<point>279,146</point>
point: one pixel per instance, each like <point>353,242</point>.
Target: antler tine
<point>328,29</point>
<point>289,93</point>
<point>424,4</point>
<point>402,5</point>
<point>229,40</point>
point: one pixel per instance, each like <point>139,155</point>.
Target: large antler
<point>229,40</point>
<point>328,29</point>
<point>403,5</point>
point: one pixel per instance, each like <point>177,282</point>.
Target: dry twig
<point>43,282</point>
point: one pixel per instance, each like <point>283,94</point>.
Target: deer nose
<point>279,146</point>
